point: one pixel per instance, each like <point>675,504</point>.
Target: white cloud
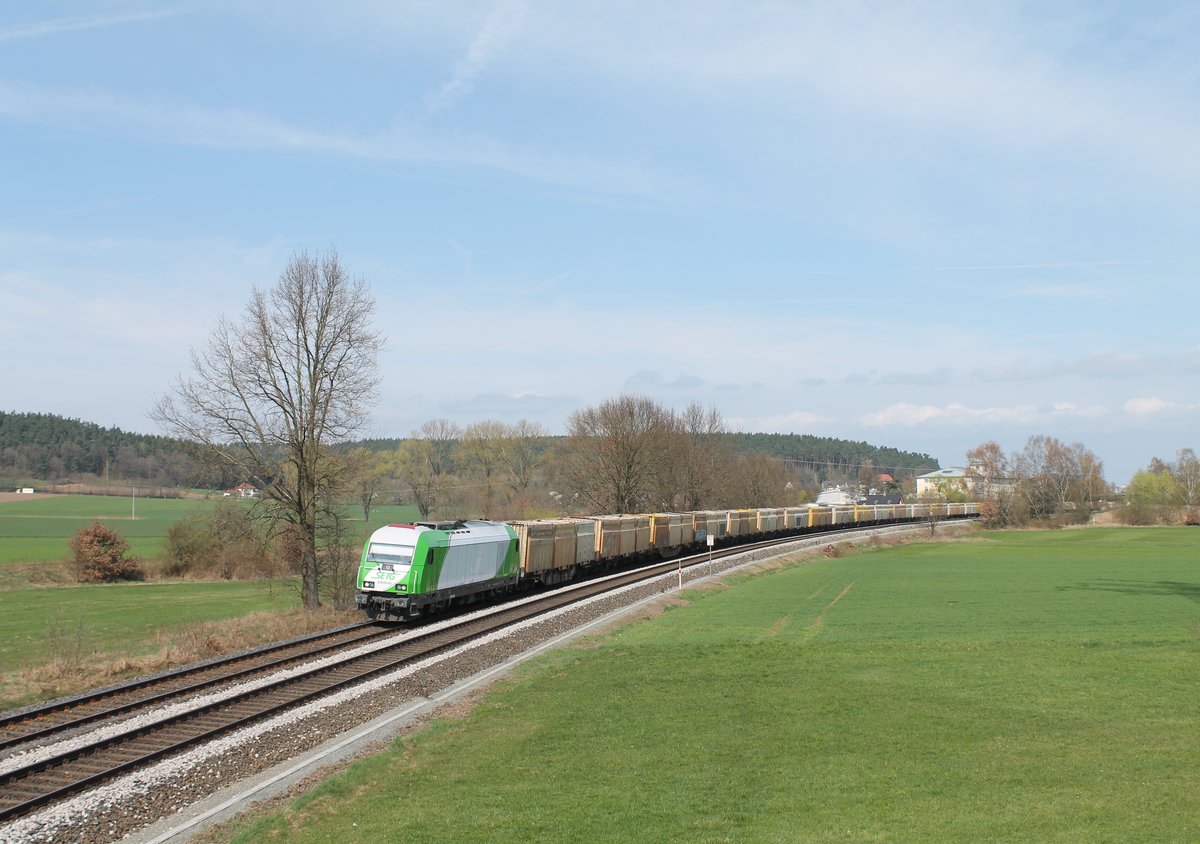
<point>1095,411</point>
<point>905,414</point>
<point>1146,407</point>
<point>911,415</point>
<point>797,421</point>
<point>508,407</point>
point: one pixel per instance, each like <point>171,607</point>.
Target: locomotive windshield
<point>397,555</point>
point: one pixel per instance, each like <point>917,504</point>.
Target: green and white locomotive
<point>411,570</point>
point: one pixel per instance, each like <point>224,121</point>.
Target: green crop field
<point>123,618</point>
<point>37,530</point>
<point>1010,687</point>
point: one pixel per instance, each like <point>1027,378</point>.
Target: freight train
<point>409,571</point>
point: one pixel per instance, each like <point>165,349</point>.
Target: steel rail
<point>60,715</point>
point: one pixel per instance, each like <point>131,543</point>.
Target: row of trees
<point>1165,492</point>
<point>1047,479</point>
<point>488,466</point>
<point>627,454</point>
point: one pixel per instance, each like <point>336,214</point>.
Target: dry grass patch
<point>77,666</point>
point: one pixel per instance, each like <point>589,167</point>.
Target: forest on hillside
<point>832,458</point>
<point>52,449</point>
<point>49,449</point>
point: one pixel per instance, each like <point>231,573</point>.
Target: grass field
<point>62,641</point>
<point>126,618</point>
<point>58,637</point>
<point>1011,687</point>
<point>37,530</point>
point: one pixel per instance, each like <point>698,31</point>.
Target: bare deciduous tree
<point>522,454</point>
<point>272,392</point>
<point>1187,472</point>
<point>1090,485</point>
<point>414,461</point>
<point>368,471</point>
<point>986,468</point>
<point>705,457</point>
<point>442,436</point>
<point>989,478</point>
<point>616,450</point>
<point>758,481</point>
<point>425,462</point>
<point>1057,477</point>
<point>482,450</point>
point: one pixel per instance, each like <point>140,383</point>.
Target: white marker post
<point>711,540</point>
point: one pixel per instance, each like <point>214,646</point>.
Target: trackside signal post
<point>710,540</point>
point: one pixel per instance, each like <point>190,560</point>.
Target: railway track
<point>62,716</point>
<point>90,761</point>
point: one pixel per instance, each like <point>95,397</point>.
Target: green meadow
<point>1024,686</point>
<point>132,619</point>
<point>59,637</point>
<point>37,530</point>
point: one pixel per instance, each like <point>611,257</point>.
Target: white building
<point>833,497</point>
<point>956,478</point>
<point>942,481</point>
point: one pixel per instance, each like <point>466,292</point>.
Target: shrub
<point>100,555</point>
<point>188,546</point>
<point>1137,513</point>
<point>226,542</point>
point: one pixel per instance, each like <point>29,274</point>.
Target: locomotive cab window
<point>396,555</point>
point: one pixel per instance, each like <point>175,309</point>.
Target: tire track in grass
<point>782,622</point>
<point>817,623</point>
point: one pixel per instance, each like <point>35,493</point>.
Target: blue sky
<point>923,225</point>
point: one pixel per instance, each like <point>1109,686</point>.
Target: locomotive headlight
<point>368,584</point>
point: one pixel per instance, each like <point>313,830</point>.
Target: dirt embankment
<point>6,497</point>
<point>89,489</point>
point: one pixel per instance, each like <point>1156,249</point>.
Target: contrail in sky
<point>57,25</point>
<point>1059,265</point>
<point>502,25</point>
